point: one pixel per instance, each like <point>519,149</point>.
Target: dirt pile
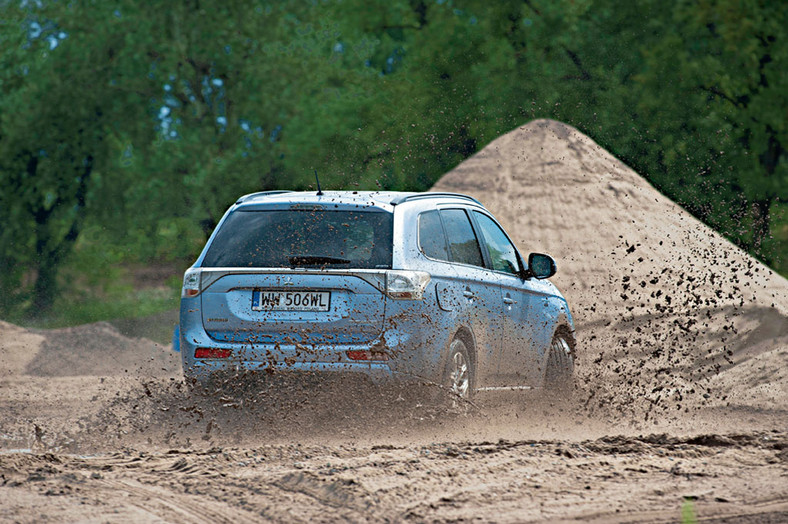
<point>89,350</point>
<point>18,347</point>
<point>670,315</point>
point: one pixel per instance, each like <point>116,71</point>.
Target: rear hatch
<point>306,308</point>
<point>297,274</point>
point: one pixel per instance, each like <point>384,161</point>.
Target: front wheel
<point>458,378</point>
<point>560,364</point>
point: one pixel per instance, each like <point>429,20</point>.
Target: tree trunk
<point>51,251</point>
<point>45,288</point>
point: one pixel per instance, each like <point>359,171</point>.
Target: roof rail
<point>417,196</point>
<point>262,193</point>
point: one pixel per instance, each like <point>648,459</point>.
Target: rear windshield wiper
<point>313,260</point>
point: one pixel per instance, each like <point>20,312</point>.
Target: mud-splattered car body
<point>386,286</point>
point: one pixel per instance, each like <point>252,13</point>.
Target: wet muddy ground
<point>120,449</point>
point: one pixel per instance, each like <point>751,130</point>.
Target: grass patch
<point>688,512</point>
<point>127,303</point>
<point>107,293</point>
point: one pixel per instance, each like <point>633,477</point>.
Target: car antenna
<point>319,192</point>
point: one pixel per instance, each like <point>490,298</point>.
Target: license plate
<point>291,300</point>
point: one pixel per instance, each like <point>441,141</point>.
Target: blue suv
<point>390,287</point>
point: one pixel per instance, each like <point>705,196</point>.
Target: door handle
<point>508,300</point>
<point>468,294</point>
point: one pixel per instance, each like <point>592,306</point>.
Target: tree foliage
<point>127,128</point>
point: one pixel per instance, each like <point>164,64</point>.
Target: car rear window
<point>303,238</point>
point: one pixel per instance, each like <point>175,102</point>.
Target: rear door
<point>477,290</point>
<point>295,310</point>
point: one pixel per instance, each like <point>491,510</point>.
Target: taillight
<point>367,355</point>
<point>406,285</point>
<point>191,282</point>
<point>212,353</point>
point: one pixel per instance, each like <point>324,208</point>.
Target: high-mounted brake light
<point>406,285</point>
<point>212,353</point>
<point>191,282</point>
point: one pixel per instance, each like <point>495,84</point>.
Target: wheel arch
<point>466,336</point>
<point>563,328</point>
<point>560,377</point>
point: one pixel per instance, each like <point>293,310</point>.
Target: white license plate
<point>290,300</point>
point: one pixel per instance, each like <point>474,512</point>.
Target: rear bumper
<point>406,360</point>
<point>376,373</point>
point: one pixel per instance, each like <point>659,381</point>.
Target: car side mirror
<point>540,266</point>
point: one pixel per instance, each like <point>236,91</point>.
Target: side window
<point>502,252</point>
<point>432,240</point>
<point>463,246</point>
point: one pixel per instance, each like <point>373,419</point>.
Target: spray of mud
<point>680,393</point>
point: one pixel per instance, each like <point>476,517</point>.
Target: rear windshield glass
<point>303,238</point>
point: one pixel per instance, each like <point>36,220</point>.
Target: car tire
<point>459,374</point>
<point>559,372</point>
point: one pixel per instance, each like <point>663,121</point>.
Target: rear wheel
<point>560,364</point>
<point>458,377</point>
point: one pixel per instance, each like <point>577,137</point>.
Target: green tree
<point>53,131</point>
<point>715,89</point>
<point>129,118</point>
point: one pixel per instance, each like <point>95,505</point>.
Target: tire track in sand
<point>175,507</point>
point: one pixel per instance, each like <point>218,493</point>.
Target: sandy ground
<point>680,407</point>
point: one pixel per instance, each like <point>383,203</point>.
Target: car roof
<point>382,199</point>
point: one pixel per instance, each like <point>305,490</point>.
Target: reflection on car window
<point>462,241</point>
<point>502,252</point>
<point>281,238</point>
<point>432,240</point>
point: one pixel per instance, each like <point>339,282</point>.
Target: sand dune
<point>666,308</point>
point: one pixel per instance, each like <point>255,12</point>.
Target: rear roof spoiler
<point>261,193</point>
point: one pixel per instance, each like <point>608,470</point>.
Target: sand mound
<point>667,309</point>
<point>92,350</point>
<point>18,347</point>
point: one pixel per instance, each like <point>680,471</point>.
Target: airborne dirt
<point>680,406</point>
